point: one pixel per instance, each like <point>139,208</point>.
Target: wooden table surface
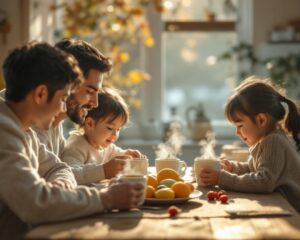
<point>272,218</point>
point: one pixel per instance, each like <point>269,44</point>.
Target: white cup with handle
<point>200,163</point>
<point>173,163</point>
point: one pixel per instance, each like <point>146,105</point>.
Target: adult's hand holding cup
<point>138,183</point>
<point>122,195</point>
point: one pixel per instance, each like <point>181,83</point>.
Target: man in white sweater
<point>39,79</point>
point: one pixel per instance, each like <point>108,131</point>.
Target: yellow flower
<point>124,57</point>
<point>135,76</point>
<point>149,42</point>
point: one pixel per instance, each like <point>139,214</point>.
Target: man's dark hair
<point>87,56</point>
<point>38,63</point>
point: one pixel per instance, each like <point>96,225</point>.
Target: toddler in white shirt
<point>90,151</point>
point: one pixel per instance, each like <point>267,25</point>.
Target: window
<point>183,64</point>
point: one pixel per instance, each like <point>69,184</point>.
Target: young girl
<point>91,153</point>
<point>256,109</point>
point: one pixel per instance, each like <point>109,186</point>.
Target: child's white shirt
<point>85,160</point>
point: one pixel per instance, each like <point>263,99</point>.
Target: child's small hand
<point>209,177</point>
<point>134,153</point>
<point>226,165</point>
<point>114,166</point>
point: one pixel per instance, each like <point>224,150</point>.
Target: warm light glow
<point>186,3</point>
<point>211,60</point>
<point>269,65</point>
<point>168,4</point>
<point>229,232</point>
<point>110,8</point>
<point>116,27</point>
<point>188,55</point>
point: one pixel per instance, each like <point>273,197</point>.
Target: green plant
<point>283,71</point>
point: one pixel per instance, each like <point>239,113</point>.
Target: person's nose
<point>238,133</point>
<point>93,101</point>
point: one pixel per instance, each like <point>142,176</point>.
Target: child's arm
<point>234,166</point>
<point>85,173</point>
<point>266,169</point>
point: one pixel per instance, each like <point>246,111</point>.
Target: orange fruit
<point>165,193</point>
<point>181,189</point>
<point>167,173</point>
<point>152,181</point>
<point>191,186</point>
<point>150,192</point>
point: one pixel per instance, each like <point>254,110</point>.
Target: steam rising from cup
<point>207,147</point>
<point>171,148</point>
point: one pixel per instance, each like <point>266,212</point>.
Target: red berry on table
<point>211,195</point>
<point>220,193</point>
<point>223,198</point>
<point>173,211</point>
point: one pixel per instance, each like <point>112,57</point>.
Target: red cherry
<point>173,211</point>
<point>211,195</point>
<point>223,198</point>
<point>220,193</point>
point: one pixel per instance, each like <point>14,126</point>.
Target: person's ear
<point>262,119</point>
<point>89,123</point>
<point>40,94</point>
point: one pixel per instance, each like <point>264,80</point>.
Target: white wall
<point>17,14</point>
<point>270,13</point>
<point>20,13</point>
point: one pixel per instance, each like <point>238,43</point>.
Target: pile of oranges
<point>167,185</point>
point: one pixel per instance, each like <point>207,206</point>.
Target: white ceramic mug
<point>173,163</point>
<point>138,165</point>
<point>135,178</point>
<point>200,163</point>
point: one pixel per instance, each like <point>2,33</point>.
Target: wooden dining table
<point>244,216</point>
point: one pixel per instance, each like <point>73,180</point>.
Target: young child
<point>256,109</point>
<point>91,152</point>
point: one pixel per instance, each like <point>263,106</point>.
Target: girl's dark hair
<point>38,63</point>
<point>110,104</point>
<point>254,96</point>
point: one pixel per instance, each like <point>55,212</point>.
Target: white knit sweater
<point>85,160</point>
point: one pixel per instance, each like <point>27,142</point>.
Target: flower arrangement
<point>110,25</point>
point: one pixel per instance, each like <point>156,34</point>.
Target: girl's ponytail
<point>292,122</point>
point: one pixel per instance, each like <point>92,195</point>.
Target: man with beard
<point>93,65</point>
